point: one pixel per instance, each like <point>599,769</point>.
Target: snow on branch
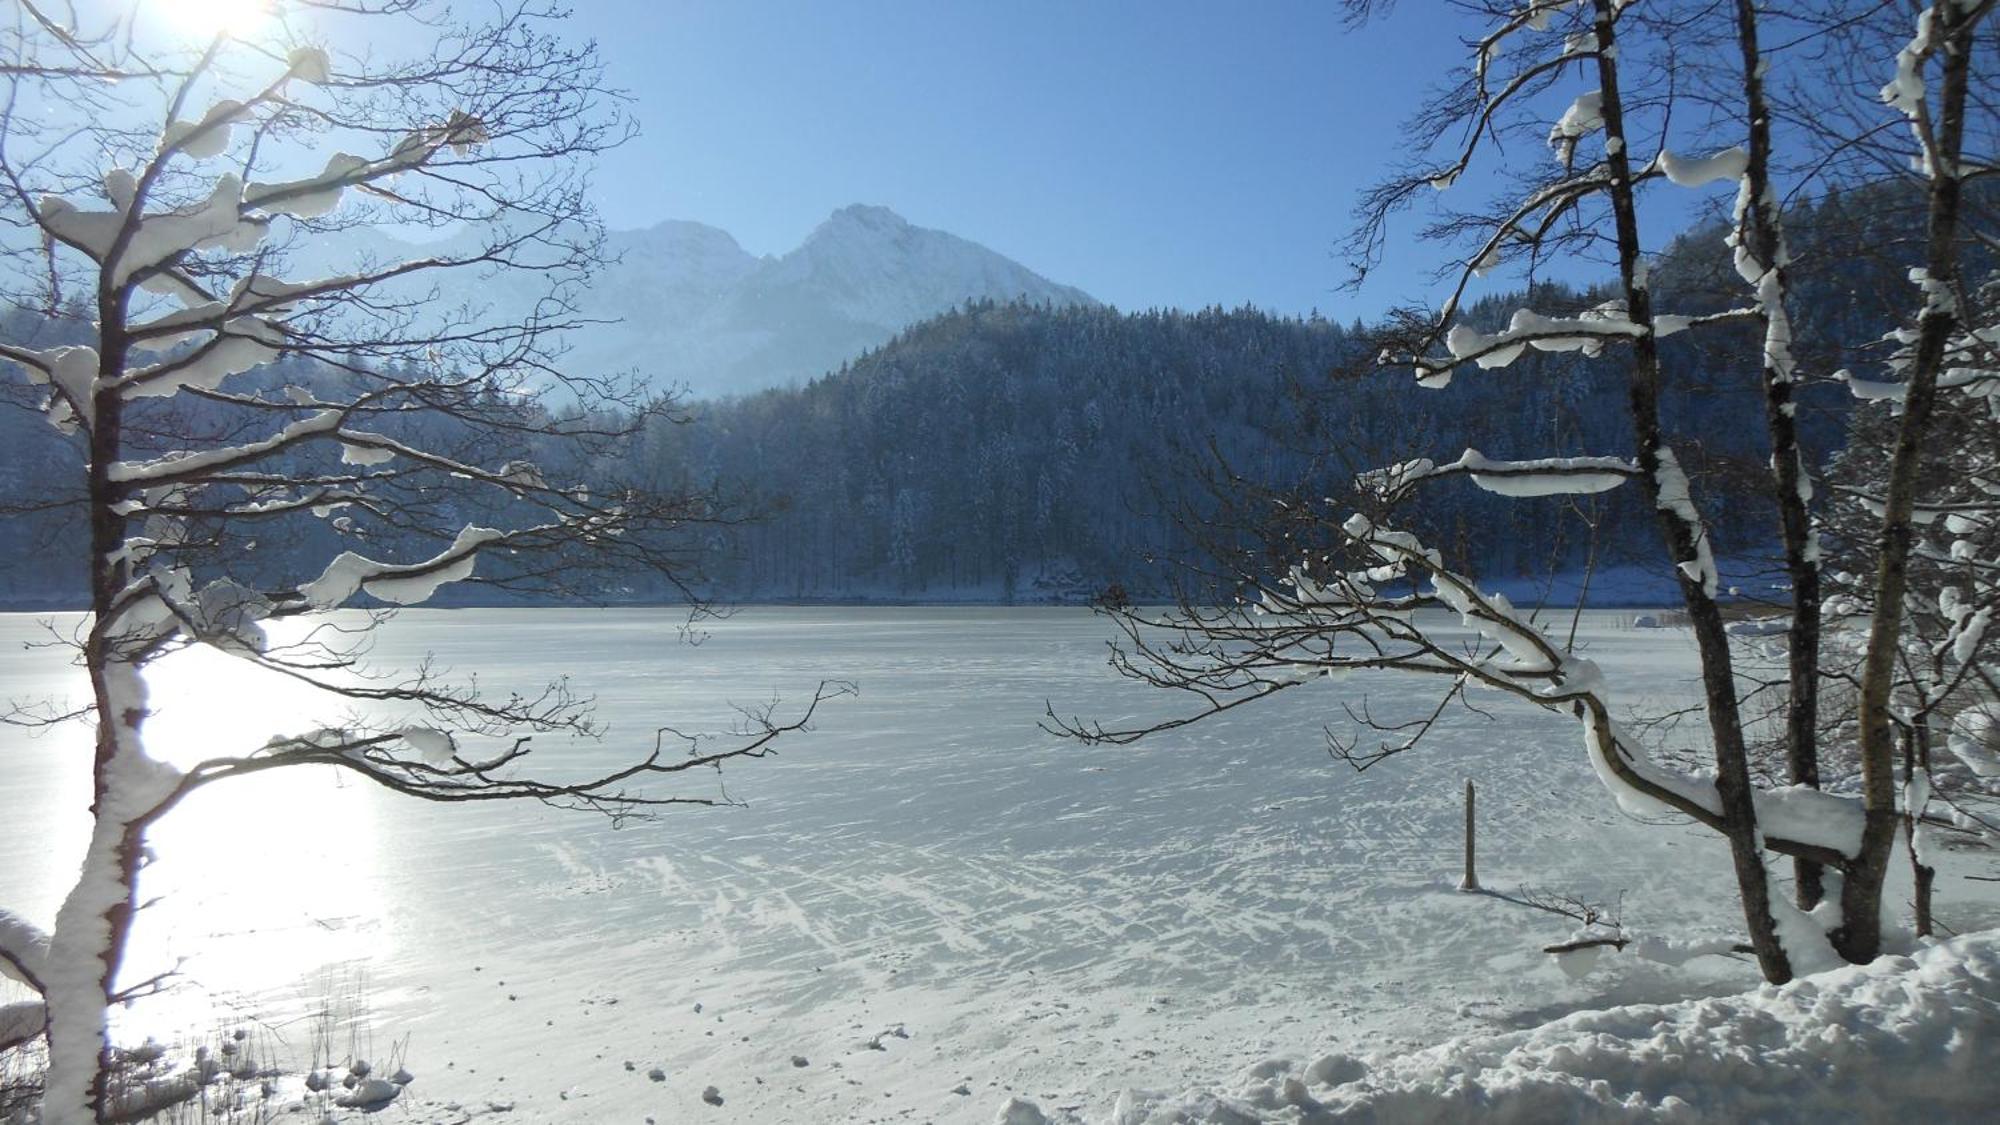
<point>1546,476</point>
<point>182,466</point>
<point>1586,333</point>
<point>1905,92</point>
<point>1675,498</point>
<point>124,244</point>
<point>401,584</point>
<point>1584,116</point>
<point>1536,16</point>
<point>239,345</point>
<point>70,372</point>
<point>22,1022</point>
<point>1976,381</point>
<point>1729,164</point>
<point>1491,105</point>
<point>24,950</point>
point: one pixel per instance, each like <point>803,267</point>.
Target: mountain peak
<point>684,230</point>
<point>694,308</point>
<point>868,215</point>
<point>870,267</point>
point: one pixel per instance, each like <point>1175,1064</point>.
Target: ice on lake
<point>927,894</point>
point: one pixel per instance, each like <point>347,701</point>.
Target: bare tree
<point>1941,695</point>
<point>1945,40</point>
<point>1356,604</point>
<point>396,423</point>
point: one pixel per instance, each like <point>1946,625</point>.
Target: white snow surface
<point>927,895</point>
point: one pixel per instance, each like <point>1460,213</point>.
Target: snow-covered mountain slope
<point>689,308</point>
<point>867,264</point>
<point>694,314</point>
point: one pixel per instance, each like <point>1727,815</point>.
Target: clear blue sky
<point>1162,153</point>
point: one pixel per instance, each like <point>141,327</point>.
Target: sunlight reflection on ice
<point>260,881</point>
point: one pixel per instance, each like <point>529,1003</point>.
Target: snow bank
<point>1897,1039</point>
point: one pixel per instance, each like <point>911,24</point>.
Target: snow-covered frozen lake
<point>925,895</point>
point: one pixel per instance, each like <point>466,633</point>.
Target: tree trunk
<point>88,944</point>
<point>1859,938</point>
<point>1926,879</point>
<point>1916,766</point>
<point>85,953</point>
<point>1761,234</point>
<point>1664,483</point>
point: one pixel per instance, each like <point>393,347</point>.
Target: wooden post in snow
<point>1471,880</point>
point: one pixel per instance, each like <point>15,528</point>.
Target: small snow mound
<point>1020,1111</point>
<point>1336,1070</point>
<point>370,1093</point>
<point>1269,1068</point>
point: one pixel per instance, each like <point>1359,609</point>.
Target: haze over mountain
<point>695,308</point>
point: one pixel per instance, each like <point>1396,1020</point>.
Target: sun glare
<point>265,880</point>
<point>214,17</point>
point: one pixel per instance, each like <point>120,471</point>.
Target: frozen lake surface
<point>926,895</point>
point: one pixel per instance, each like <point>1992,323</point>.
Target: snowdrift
<point>1900,1037</point>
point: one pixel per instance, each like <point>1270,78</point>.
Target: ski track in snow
<point>927,894</point>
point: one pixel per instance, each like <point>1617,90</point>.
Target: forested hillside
<point>1034,452</point>
<point>1010,451</point>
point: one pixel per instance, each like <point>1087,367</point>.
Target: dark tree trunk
<point>1762,234</point>
<point>1859,938</point>
<point>1917,762</point>
<point>1656,464</point>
